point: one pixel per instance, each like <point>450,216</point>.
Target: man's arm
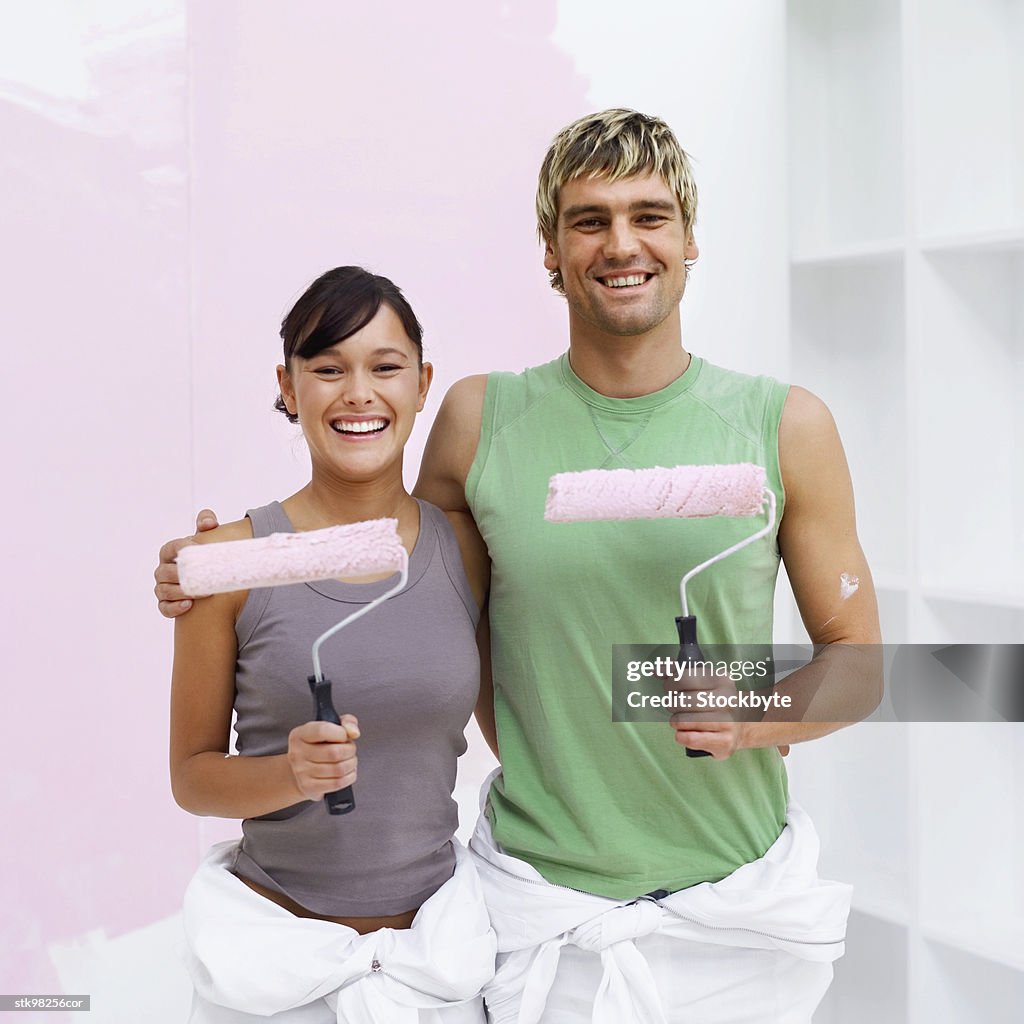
<point>447,458</point>
<point>833,590</point>
<point>830,578</point>
<point>451,446</point>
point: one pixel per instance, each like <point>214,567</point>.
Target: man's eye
<point>653,218</point>
<point>589,223</point>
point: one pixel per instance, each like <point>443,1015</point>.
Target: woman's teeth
<point>359,427</point>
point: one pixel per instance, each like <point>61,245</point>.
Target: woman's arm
<point>205,780</point>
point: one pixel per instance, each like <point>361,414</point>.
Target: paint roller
<point>682,492</point>
<point>356,549</point>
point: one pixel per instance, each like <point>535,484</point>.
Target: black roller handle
<point>341,801</point>
<point>689,653</point>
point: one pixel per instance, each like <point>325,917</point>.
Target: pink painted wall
<point>406,140</point>
<point>161,212</point>
<point>93,194</point>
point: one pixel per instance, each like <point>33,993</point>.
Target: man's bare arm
<point>830,578</point>
<point>451,446</point>
<point>833,590</point>
<point>447,458</point>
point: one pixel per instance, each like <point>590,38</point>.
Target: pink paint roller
<point>685,492</point>
<point>357,549</point>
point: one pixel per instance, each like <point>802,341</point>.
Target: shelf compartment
<point>969,88</point>
<point>1000,240</point>
<point>848,348</point>
<point>956,987</point>
<point>862,252</point>
<point>1001,942</point>
<point>971,423</point>
<point>1003,600</point>
<point>970,823</point>
<point>870,980</point>
<point>892,612</point>
<point>854,785</point>
<point>949,619</point>
<point>846,126</point>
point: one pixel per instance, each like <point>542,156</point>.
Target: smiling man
<point>617,870</point>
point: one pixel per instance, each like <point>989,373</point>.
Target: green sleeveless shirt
<point>617,809</point>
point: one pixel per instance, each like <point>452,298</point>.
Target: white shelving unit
<point>906,143</point>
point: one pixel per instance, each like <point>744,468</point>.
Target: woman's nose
<point>358,389</point>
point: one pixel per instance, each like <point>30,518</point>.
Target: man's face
<point>620,248</point>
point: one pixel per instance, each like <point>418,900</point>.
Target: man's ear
<point>550,256</point>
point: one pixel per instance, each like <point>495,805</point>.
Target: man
<point>622,875</point>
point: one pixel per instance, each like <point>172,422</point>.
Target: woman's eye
<point>327,371</point>
<point>387,368</point>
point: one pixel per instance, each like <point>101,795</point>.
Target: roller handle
<point>689,652</point>
<point>341,801</point>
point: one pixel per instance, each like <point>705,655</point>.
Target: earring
<point>689,264</point>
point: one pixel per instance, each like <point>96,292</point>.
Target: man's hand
<point>700,724</point>
<point>720,731</point>
<point>170,597</point>
<point>322,756</point>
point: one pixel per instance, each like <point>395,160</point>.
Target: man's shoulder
<point>805,414</point>
<point>466,395</point>
<point>751,403</point>
<point>723,379</point>
<point>513,393</point>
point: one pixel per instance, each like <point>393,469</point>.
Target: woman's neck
<point>336,502</point>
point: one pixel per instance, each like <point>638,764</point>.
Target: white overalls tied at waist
<point>775,902</point>
<point>247,953</point>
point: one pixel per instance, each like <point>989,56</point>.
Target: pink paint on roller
<point>357,549</point>
<point>690,492</point>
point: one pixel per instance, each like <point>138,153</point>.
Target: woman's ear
<point>284,383</point>
<point>426,376</point>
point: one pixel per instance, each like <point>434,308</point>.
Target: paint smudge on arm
<point>848,586</point>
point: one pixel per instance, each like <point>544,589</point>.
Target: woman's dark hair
<point>334,307</point>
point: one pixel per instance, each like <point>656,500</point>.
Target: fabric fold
<point>246,953</point>
<point>776,902</point>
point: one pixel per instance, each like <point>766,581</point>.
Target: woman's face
<point>357,400</point>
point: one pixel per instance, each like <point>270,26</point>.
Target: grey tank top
<point>410,672</point>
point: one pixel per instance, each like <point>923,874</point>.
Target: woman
<point>373,915</point>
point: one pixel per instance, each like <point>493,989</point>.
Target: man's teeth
<point>624,282</point>
<point>359,427</point>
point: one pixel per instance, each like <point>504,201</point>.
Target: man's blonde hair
<point>612,144</point>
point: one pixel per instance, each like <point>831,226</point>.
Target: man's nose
<point>621,242</point>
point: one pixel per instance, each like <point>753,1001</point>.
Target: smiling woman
<point>353,374</point>
<point>408,675</point>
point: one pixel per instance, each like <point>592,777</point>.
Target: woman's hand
<point>322,756</point>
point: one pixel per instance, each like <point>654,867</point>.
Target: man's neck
<point>627,367</point>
